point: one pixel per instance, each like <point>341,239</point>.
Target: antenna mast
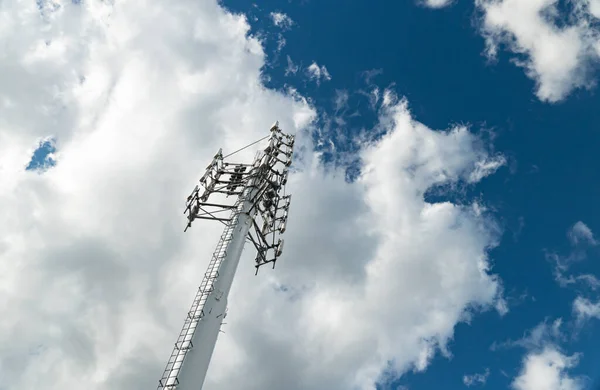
<point>259,215</point>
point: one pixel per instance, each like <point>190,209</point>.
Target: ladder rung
<point>184,346</point>
<point>194,317</point>
<point>164,384</point>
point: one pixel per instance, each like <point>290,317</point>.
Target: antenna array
<point>258,215</point>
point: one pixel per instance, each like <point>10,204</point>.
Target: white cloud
<point>317,73</point>
<point>556,57</point>
<point>594,7</point>
<point>588,279</point>
<point>541,335</point>
<point>476,379</point>
<point>437,3</point>
<point>291,67</point>
<point>281,42</point>
<point>581,238</point>
<point>580,233</point>
<point>502,306</point>
<point>281,20</point>
<point>544,366</point>
<point>558,50</point>
<point>547,370</point>
<point>138,96</point>
<point>486,167</point>
<point>95,271</point>
<point>584,279</point>
<point>354,246</point>
<point>585,309</point>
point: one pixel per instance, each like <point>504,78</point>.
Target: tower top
<point>258,214</point>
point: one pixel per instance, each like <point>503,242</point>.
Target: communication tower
<point>258,215</point>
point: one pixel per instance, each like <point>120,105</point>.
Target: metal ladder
<point>169,380</point>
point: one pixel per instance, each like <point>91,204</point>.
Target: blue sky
<point>394,220</point>
<point>435,58</point>
<point>42,156</point>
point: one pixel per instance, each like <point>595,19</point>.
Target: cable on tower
<point>247,146</point>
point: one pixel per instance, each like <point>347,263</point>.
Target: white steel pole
<point>195,365</point>
<point>191,357</point>
<point>189,361</point>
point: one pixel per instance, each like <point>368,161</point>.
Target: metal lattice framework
<point>258,215</point>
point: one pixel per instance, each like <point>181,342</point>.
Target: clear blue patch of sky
<point>435,59</point>
<point>41,159</point>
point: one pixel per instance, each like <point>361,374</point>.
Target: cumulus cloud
<point>558,48</point>
<point>544,366</point>
<point>95,271</point>
<point>355,245</point>
<point>318,73</point>
<point>548,370</point>
<point>554,48</point>
<point>138,95</point>
<point>476,379</point>
<point>594,7</point>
